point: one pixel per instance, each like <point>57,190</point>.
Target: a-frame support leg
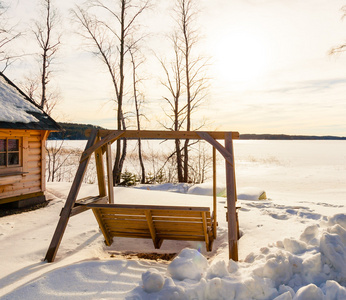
<point>71,199</point>
<point>231,201</point>
<point>227,152</point>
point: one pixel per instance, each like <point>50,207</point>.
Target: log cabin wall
<point>31,182</point>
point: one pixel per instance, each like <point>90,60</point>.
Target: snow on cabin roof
<point>18,111</point>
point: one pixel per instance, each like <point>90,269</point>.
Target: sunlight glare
<point>241,58</point>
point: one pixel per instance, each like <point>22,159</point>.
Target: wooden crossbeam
<point>111,137</point>
<point>224,152</point>
<point>164,135</point>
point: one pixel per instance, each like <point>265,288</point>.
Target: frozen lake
<point>311,168</point>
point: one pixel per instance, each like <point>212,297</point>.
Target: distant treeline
<point>288,137</point>
<point>73,131</point>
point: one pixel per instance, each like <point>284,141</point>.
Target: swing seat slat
<point>156,222</point>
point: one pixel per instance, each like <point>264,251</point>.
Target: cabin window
<point>10,152</point>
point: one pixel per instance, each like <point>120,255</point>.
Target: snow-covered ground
<point>293,245</point>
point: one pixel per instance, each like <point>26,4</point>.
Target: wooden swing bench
<point>149,221</point>
<point>156,222</point>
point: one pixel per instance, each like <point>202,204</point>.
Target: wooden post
<point>109,173</point>
<point>227,153</point>
<point>231,201</point>
<point>214,193</point>
<point>70,201</point>
<point>100,171</point>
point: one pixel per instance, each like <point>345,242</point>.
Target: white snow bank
<point>313,267</point>
<point>251,193</point>
<point>189,264</point>
<point>14,108</point>
<point>168,187</point>
<point>206,189</point>
<point>294,243</point>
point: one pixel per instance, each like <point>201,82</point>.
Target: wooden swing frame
<point>100,141</point>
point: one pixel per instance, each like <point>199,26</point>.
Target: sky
<point>269,70</point>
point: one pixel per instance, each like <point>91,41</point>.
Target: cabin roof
<point>18,111</point>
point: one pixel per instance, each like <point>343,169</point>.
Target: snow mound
<point>168,187</point>
<point>152,281</point>
<point>206,189</point>
<point>189,264</point>
<point>252,193</point>
<point>313,267</point>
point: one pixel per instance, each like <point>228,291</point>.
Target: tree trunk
<point>188,91</point>
<point>120,154</point>
<point>141,160</point>
<point>179,161</point>
<point>43,79</point>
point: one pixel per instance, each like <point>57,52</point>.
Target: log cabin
<point>24,129</point>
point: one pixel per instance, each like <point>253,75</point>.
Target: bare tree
<point>57,157</point>
<point>342,47</point>
<point>173,83</point>
<point>48,39</point>
<point>190,71</point>
<point>111,40</point>
<point>195,80</point>
<point>30,86</point>
<point>7,35</point>
<point>138,99</point>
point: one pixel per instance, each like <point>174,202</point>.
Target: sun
<point>241,57</point>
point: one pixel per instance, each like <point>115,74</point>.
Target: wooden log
<point>33,151</point>
<point>16,192</point>
<point>34,145</point>
<point>36,157</point>
<point>66,211</point>
<point>20,197</point>
<point>10,179</point>
<point>34,164</point>
<point>14,133</point>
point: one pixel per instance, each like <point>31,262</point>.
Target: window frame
<point>13,169</point>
